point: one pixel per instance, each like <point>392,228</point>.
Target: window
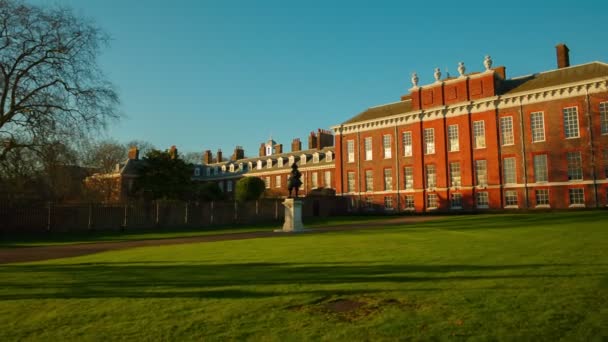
<point>216,170</point>
<point>454,174</point>
<point>267,182</point>
<point>577,197</point>
<point>605,155</point>
<point>575,165</point>
<point>259,165</point>
<point>250,164</point>
<point>369,203</point>
<point>540,168</point>
<point>277,181</point>
<point>453,144</point>
<point>571,122</point>
<point>431,176</point>
<point>303,159</point>
<point>197,172</point>
<point>479,134</point>
<point>482,199</point>
<point>537,123</point>
<point>506,130</point>
<point>388,202</point>
<point>481,173</point>
<point>388,179</point>
<point>327,179</point>
<point>456,200</point>
<point>386,143</point>
<point>315,180</point>
<point>315,158</point>
<point>508,173</point>
<point>431,201</point>
<point>208,171</point>
<point>409,202</point>
<point>329,156</point>
<point>350,182</point>
<point>231,167</point>
<point>350,150</point>
<point>269,163</point>
<point>542,197</point>
<point>511,198</point>
<point>280,162</point>
<point>229,186</point>
<point>241,167</point>
<point>407,144</point>
<point>292,160</point>
<point>369,180</point>
<point>220,184</point>
<point>368,148</point>
<point>429,141</point>
<point>223,168</point>
<point>604,117</point>
<point>408,176</point>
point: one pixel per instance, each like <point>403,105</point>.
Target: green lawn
<point>504,277</point>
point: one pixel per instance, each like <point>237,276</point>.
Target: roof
<point>382,111</point>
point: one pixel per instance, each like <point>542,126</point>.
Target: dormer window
<point>223,168</point>
<point>303,159</point>
<point>231,167</point>
<point>329,156</point>
<point>268,163</point>
<point>315,157</point>
<point>292,160</point>
<point>208,171</point>
<point>197,172</point>
<point>250,166</point>
<point>280,162</point>
<point>241,167</point>
<point>259,166</point>
<point>216,170</point>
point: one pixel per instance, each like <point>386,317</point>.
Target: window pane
<point>540,168</point>
<point>407,144</point>
<point>368,148</point>
<point>431,176</point>
<point>571,122</point>
<point>431,201</point>
<point>604,117</point>
<point>386,143</point>
<point>369,180</point>
<point>575,165</point>
<point>537,124</point>
<point>509,174</point>
<point>511,198</point>
<point>409,202</point>
<point>577,196</point>
<point>482,199</point>
<point>408,176</point>
<point>506,130</point>
<point>454,174</point>
<point>479,134</point>
<point>350,185</point>
<point>456,200</point>
<point>429,141</point>
<point>350,148</point>
<point>542,197</point>
<point>481,172</point>
<point>388,179</point>
<point>453,138</point>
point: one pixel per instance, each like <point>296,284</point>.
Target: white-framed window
<point>481,172</point>
<point>542,197</point>
<point>277,181</point>
<point>537,124</point>
<point>431,176</point>
<point>223,168</point>
<point>482,200</point>
<point>432,201</point>
<point>508,171</point>
<point>605,157</point>
<point>575,165</point>
<point>408,176</point>
<point>369,180</point>
<point>269,163</point>
<point>388,179</point>
<point>368,148</point>
<point>456,200</point>
<point>506,130</point>
<point>479,134</point>
<point>571,122</point>
<point>386,144</point>
<point>388,202</point>
<point>350,181</point>
<point>259,165</point>
<point>197,172</point>
<point>577,197</point>
<point>292,160</point>
<point>327,179</point>
<point>511,198</point>
<point>541,173</point>
<point>315,157</point>
<point>250,165</point>
<point>216,170</point>
<point>267,182</point>
<point>409,202</point>
<point>329,156</point>
<point>220,184</point>
<point>280,162</point>
<point>350,150</point>
<point>303,159</point>
<point>453,142</point>
<point>231,168</point>
<point>604,117</point>
<point>241,167</point>
<point>315,180</point>
<point>455,174</point>
<point>407,143</point>
<point>429,141</point>
<point>228,186</point>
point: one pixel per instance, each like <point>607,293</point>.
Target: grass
<point>69,238</point>
<point>506,277</point>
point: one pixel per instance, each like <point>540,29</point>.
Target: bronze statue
<point>294,181</point>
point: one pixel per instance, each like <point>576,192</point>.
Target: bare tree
<point>143,146</point>
<point>104,155</point>
<point>51,88</point>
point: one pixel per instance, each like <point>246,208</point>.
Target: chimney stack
<point>296,145</point>
<point>312,141</point>
<point>173,152</point>
<point>133,153</point>
<point>219,156</point>
<point>563,56</point>
<point>262,149</point>
<point>239,153</point>
<point>207,157</point>
<point>278,148</point>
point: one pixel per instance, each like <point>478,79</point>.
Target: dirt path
<point>24,254</point>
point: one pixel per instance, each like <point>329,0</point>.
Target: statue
<point>294,181</point>
<point>415,79</point>
<point>437,74</point>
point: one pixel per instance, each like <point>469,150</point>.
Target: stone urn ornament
<point>487,62</point>
<point>437,74</point>
<point>461,69</point>
<point>415,79</point>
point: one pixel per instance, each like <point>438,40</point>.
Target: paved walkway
<point>24,254</point>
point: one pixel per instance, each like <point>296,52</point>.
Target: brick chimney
<point>207,157</point>
<point>133,153</point>
<point>296,145</point>
<point>278,148</point>
<point>501,71</point>
<point>563,56</point>
<point>219,156</point>
<point>173,152</point>
<point>312,140</point>
<point>262,149</point>
<point>325,138</point>
<point>239,153</point>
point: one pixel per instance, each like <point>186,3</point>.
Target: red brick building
<point>482,140</point>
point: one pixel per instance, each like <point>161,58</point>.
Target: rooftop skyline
<point>206,75</point>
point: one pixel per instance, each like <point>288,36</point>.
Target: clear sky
<point>215,74</point>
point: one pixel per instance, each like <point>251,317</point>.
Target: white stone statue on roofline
<point>487,62</point>
<point>437,74</point>
<point>461,69</point>
<point>415,79</point>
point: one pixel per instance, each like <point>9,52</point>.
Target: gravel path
<point>24,254</point>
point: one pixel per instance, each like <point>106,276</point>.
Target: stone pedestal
<point>293,216</point>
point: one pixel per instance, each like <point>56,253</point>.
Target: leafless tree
<point>51,87</point>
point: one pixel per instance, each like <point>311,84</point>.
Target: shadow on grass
<point>157,280</point>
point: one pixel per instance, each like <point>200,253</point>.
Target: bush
<point>249,188</point>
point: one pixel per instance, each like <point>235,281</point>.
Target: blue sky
<point>215,74</point>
